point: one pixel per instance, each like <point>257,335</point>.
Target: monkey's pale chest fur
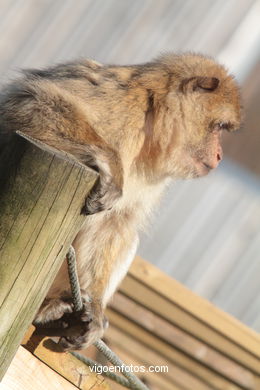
<point>108,241</point>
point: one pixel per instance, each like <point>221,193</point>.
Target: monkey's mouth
<point>207,166</point>
<point>202,168</point>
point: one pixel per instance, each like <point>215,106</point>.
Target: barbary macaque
<point>139,127</point>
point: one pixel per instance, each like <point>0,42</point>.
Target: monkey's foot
<point>76,329</point>
<point>83,338</point>
<point>57,314</point>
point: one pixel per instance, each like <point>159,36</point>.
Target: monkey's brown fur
<point>139,127</point>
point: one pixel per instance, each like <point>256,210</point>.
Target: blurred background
<point>207,232</point>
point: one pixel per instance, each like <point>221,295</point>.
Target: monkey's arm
<point>52,115</point>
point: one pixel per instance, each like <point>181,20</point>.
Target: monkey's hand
<point>77,330</point>
<point>102,197</point>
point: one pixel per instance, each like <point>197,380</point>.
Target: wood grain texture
<point>212,379</point>
<point>193,313</point>
<point>67,365</point>
<point>63,363</point>
<point>154,320</point>
<point>149,328</point>
<point>184,342</point>
<point>26,372</point>
<point>40,211</point>
<point>139,354</point>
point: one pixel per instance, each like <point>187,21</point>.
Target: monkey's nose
<point>219,153</point>
<point>215,160</point>
<point>219,156</point>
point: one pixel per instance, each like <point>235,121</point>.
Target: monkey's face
<point>206,108</point>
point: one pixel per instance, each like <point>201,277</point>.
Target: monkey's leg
<point>106,277</point>
<point>101,268</point>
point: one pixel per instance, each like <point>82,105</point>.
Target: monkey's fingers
<point>63,327</point>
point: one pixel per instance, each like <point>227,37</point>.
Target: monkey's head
<point>191,104</point>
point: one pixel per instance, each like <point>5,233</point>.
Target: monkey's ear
<point>198,83</point>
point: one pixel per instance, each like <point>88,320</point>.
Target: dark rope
<point>132,382</point>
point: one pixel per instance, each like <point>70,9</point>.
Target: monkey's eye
<point>223,126</point>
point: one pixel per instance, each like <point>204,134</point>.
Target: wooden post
<point>40,214</point>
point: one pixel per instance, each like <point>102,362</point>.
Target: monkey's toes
<point>82,339</point>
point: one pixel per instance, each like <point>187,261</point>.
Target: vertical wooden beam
<point>41,197</point>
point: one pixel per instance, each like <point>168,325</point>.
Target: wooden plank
<point>145,356</point>
<point>198,370</point>
<point>183,341</point>
<point>66,365</point>
<point>152,380</point>
<point>26,372</point>
<point>40,211</point>
<point>178,315</point>
<point>197,306</point>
